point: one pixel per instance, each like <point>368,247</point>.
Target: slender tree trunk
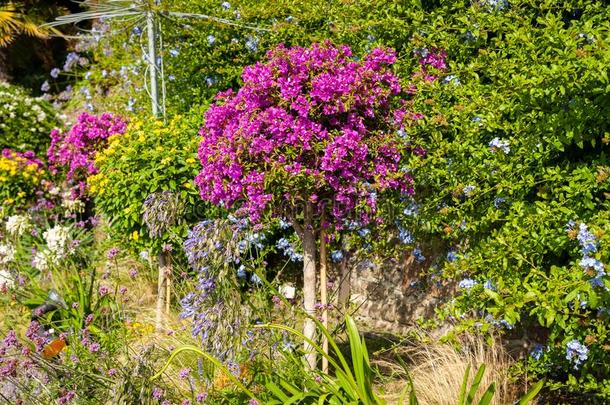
<point>309,292</point>
<point>324,296</point>
<point>345,283</point>
<point>163,263</point>
<point>168,283</point>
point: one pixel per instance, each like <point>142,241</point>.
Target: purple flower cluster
<point>76,149</point>
<point>309,124</point>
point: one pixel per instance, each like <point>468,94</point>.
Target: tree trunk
<point>309,292</point>
<point>345,285</point>
<point>163,263</point>
<point>324,296</point>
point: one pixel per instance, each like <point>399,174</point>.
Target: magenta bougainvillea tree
<point>75,150</point>
<point>308,125</point>
<point>313,132</point>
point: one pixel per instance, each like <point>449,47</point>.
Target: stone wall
<point>390,296</point>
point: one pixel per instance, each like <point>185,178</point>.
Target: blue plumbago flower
<point>174,52</point>
<point>370,38</point>
<point>404,235</point>
<point>252,44</point>
<point>364,232</point>
<point>90,107</point>
<point>45,86</point>
<point>336,256</point>
<point>411,210</point>
<point>421,52</point>
<point>171,78</point>
<point>495,5</point>
<point>451,256</point>
<point>537,351</point>
<point>468,37</point>
<point>502,323</point>
<point>211,39</point>
<point>592,263</point>
<point>289,18</point>
<point>225,5</point>
<point>88,75</point>
<point>467,283</point>
<point>55,73</point>
<point>104,73</point>
<point>570,225</point>
<point>468,190</point>
<point>451,79</point>
<point>498,144</point>
<point>210,81</point>
<point>576,352</point>
<point>499,201</point>
<point>603,311</point>
<point>137,31</point>
<point>284,224</point>
<point>286,247</point>
<point>587,240</point>
<point>489,285</point>
<point>598,282</point>
<point>589,39</point>
<point>419,256</point>
<point>402,133</point>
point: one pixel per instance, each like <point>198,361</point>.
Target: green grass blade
<point>462,397</point>
<point>531,394</point>
<point>488,396</point>
<point>475,385</point>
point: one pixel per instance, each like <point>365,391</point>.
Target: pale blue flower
<point>576,352</point>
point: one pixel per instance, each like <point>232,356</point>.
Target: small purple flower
<point>103,290</point>
<point>253,402</point>
<point>45,86</point>
<point>184,373</point>
<point>94,347</point>
<point>112,372</point>
<point>66,398</point>
<point>225,5</point>
<point>201,397</point>
<point>55,73</point>
<point>157,393</point>
<point>113,252</point>
<point>133,273</point>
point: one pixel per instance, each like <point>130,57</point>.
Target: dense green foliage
<point>151,157</point>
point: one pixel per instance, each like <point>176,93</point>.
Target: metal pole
<point>152,62</point>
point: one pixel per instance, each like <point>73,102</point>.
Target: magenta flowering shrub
<point>76,149</point>
<point>309,125</point>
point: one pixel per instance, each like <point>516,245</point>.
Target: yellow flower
<point>135,236</point>
<point>191,160</point>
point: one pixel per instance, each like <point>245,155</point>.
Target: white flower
<point>6,279</point>
<point>41,261</point>
<point>17,225</point>
<point>57,239</point>
<point>7,253</point>
<point>72,204</point>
